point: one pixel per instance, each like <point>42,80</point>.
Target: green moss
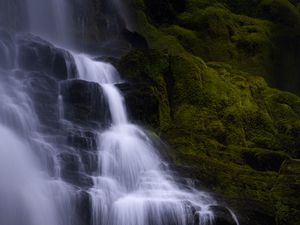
<point>224,36</point>
<point>187,89</point>
<point>225,124</point>
<point>286,193</point>
<point>157,39</point>
<point>149,67</point>
<point>187,38</point>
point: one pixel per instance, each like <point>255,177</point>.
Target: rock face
<point>84,102</point>
<point>223,216</point>
<point>36,54</point>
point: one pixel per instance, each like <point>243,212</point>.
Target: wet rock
<point>142,104</point>
<point>83,140</point>
<point>83,208</point>
<point>36,54</point>
<point>84,103</point>
<point>69,161</point>
<point>90,161</point>
<point>222,215</point>
<point>43,90</point>
<point>78,179</point>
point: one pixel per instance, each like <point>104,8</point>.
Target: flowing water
<point>68,153</point>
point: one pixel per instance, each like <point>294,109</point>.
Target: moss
<point>149,67</point>
<point>157,39</point>
<point>187,38</point>
<point>227,37</point>
<point>226,126</point>
<point>286,193</point>
<point>187,89</point>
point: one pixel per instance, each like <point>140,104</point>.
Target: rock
<point>264,160</point>
<point>83,208</point>
<point>36,54</point>
<point>135,39</point>
<point>251,212</point>
<point>84,103</point>
<point>83,140</point>
<point>79,179</point>
<point>85,143</point>
<point>222,215</point>
<point>43,90</point>
<point>142,104</point>
<point>69,161</point>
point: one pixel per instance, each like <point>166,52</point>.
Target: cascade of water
<point>131,187</point>
<point>50,150</point>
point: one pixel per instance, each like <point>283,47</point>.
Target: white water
<point>26,190</point>
<point>131,187</point>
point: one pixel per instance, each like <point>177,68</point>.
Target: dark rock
<point>83,140</point>
<point>222,215</point>
<point>69,161</point>
<point>264,160</point>
<point>43,90</point>
<point>36,54</point>
<point>84,103</point>
<point>83,208</point>
<point>90,161</point>
<point>252,212</point>
<point>79,179</point>
<point>142,104</point>
<point>135,39</point>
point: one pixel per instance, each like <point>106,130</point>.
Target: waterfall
<point>51,20</point>
<point>133,185</point>
<point>69,155</point>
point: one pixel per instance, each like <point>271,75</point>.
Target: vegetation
<point>210,65</point>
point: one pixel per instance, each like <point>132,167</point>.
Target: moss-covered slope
<point>227,126</point>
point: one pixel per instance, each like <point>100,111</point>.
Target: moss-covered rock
<point>227,127</point>
<point>230,127</point>
<point>286,193</point>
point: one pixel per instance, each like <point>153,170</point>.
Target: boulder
<point>263,159</point>
<point>84,103</point>
<point>83,208</point>
<point>36,54</point>
<point>223,215</point>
